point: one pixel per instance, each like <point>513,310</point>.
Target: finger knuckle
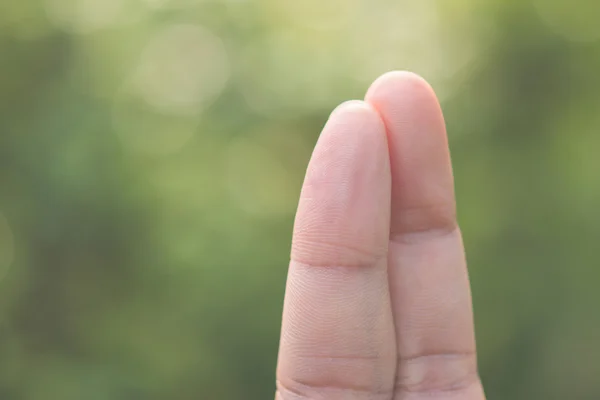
<point>437,373</point>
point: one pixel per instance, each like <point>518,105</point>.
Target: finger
<point>337,338</point>
<point>431,300</point>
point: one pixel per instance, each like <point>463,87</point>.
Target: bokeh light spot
<point>287,71</point>
<point>316,14</point>
<point>386,41</point>
<point>261,181</point>
<point>182,69</point>
<point>83,16</point>
<point>391,44</point>
<point>155,4</point>
<point>146,130</point>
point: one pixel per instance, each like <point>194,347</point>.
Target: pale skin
<point>378,304</point>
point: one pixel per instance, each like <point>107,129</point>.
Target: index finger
<point>337,339</point>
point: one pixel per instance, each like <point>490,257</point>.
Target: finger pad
<point>422,181</point>
<point>343,213</point>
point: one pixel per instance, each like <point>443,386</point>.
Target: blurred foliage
<point>152,152</point>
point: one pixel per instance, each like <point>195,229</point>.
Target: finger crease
<point>293,388</point>
<point>436,373</point>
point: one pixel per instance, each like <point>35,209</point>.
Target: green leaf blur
<point>152,153</point>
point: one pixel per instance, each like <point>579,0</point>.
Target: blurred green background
<point>152,153</point>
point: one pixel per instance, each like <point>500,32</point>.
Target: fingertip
<point>337,334</point>
<point>395,82</point>
<point>355,110</point>
<point>422,181</point>
<point>405,80</point>
<point>351,105</point>
<point>343,214</point>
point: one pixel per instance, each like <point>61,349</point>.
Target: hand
<point>377,303</point>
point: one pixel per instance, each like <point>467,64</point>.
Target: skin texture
<point>377,303</point>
